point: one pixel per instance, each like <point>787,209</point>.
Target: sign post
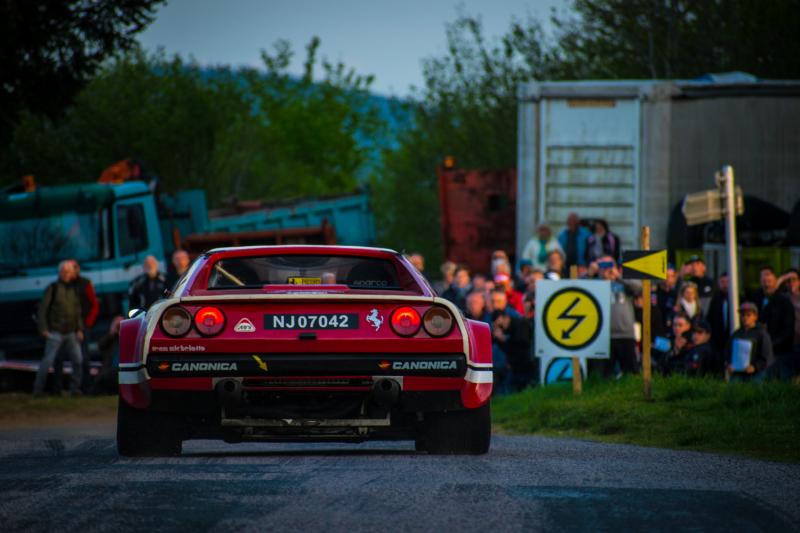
<point>647,374</point>
<point>725,180</point>
<point>577,383</point>
<point>645,265</point>
<point>726,201</point>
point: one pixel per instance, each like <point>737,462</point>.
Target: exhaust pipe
<point>229,392</point>
<point>385,393</point>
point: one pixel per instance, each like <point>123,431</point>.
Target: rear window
<point>255,272</point>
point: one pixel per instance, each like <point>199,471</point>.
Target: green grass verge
<point>685,413</point>
<point>17,407</point>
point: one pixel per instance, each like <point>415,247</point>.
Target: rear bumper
<point>305,372</point>
<point>226,365</point>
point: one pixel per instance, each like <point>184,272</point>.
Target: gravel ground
<point>72,478</point>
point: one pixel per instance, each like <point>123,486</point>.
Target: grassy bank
<point>22,407</point>
<point>697,414</point>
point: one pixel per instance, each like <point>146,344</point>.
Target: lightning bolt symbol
<point>565,315</point>
<point>260,363</point>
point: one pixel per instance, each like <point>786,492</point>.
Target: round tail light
<point>209,321</point>
<point>437,321</point>
<point>176,321</point>
<point>405,321</point>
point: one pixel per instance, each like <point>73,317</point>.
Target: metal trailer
<point>628,151</point>
<point>477,209</point>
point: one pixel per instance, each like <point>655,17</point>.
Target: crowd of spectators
<point>690,321</point>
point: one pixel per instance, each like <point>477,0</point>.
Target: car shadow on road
<point>300,453</point>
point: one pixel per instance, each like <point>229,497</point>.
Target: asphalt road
<point>77,483</point>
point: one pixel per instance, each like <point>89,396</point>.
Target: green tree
<point>160,110</point>
<point>467,109</point>
<point>317,135</point>
<point>679,38</point>
<point>49,49</point>
<point>245,133</point>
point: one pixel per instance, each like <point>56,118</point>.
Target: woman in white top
<point>688,301</point>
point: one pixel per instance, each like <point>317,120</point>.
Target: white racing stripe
<point>479,376</point>
<point>132,377</point>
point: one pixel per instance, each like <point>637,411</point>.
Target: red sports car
<point>303,343</point>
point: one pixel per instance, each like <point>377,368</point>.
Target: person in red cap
<point>513,296</point>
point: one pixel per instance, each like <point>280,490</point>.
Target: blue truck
<point>111,228</point>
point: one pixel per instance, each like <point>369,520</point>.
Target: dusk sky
<point>387,39</point>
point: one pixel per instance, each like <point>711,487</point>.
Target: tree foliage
<point>245,133</point>
<point>679,38</point>
<point>49,49</point>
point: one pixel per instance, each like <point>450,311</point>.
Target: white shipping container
<point>628,151</point>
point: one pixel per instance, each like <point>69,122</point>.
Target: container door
<point>589,163</point>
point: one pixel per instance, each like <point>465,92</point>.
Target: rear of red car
<point>304,343</point>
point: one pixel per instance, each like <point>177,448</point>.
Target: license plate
<point>311,321</point>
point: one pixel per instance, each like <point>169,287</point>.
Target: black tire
<point>457,432</point>
<point>142,433</point>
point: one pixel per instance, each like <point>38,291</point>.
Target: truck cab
<point>107,228</point>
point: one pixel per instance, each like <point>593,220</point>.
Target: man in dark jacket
<point>666,294</point>
<point>60,323</point>
<point>180,264</point>
<point>622,321</point>
<point>749,350</point>
<point>776,312</point>
<point>476,308</point>
<point>602,242</point>
<point>718,315</point>
<point>90,308</point>
<point>512,335</point>
<point>457,291</point>
<point>146,289</point>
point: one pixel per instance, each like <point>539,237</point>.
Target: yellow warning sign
<point>572,318</point>
<point>644,264</point>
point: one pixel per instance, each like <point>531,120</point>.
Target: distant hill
<point>391,109</point>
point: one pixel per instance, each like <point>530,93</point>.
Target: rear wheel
<point>142,433</point>
<point>457,432</point>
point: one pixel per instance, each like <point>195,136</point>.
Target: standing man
<point>511,339</point>
<point>623,318</point>
<point>457,292</point>
<point>90,308</point>
<point>573,241</point>
<point>718,315</point>
<point>750,349</point>
<point>602,242</point>
<point>476,308</point>
<point>180,261</point>
<point>59,322</point>
<point>540,246</point>
<point>147,288</point>
<point>776,312</point>
<point>666,295</point>
<point>448,270</point>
